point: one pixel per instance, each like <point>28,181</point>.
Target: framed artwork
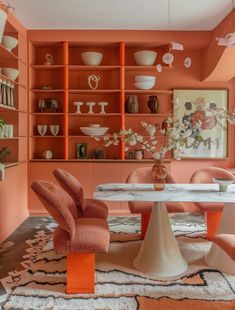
<point>193,107</point>
<point>81,151</point>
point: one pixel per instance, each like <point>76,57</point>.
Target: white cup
<point>54,129</point>
<point>42,129</point>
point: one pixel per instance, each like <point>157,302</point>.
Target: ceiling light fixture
<point>168,57</point>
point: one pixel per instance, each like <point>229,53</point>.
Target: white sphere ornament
<point>187,62</point>
<point>168,58</point>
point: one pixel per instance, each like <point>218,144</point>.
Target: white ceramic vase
<point>2,172</point>
<point>3,19</point>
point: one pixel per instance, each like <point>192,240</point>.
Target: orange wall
<point>180,77</point>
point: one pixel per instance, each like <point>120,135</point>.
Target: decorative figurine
<point>93,81</point>
<point>102,104</point>
<point>48,105</point>
<point>49,60</point>
<point>54,129</point>
<point>78,104</point>
<point>90,105</point>
<point>42,129</point>
<point>81,151</point>
<point>153,104</point>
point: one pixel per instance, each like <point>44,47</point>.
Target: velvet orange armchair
<point>79,238</point>
<point>213,211</point>
<point>85,207</point>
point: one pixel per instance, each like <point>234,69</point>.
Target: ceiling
<point>121,14</point>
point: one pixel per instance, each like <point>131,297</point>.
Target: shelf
<point>47,67</point>
<point>94,91</point>
<point>142,68</point>
<point>99,160</point>
<point>7,55</point>
<point>94,114</point>
<point>5,107</point>
<point>12,138</point>
<point>11,81</point>
<point>93,68</point>
<point>149,91</point>
<point>47,136</point>
<point>13,164</point>
<point>47,90</point>
<point>146,114</point>
<point>48,113</point>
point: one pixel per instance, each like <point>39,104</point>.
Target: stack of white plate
<point>144,81</point>
<point>94,131</point>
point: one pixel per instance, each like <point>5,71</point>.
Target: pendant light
<point>168,57</point>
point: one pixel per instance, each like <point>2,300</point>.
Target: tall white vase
<point>3,19</point>
<point>2,172</point>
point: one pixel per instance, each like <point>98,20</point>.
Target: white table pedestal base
<point>160,255</point>
<point>217,258</point>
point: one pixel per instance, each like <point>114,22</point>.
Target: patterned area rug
<point>41,285</point>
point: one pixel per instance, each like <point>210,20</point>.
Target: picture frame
<point>81,151</point>
<point>191,105</point>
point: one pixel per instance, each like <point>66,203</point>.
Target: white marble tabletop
<point>172,192</point>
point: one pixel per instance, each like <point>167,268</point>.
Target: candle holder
<point>90,104</point>
<point>78,104</point>
<point>102,104</point>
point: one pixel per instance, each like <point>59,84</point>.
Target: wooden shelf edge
<point>10,165</point>
<point>99,160</point>
<point>8,108</point>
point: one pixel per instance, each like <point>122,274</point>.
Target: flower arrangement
<point>173,134</point>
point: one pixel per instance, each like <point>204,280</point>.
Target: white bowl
<point>9,42</point>
<point>143,78</point>
<point>145,58</point>
<point>92,58</point>
<point>223,183</point>
<point>94,125</point>
<point>11,73</point>
<point>145,85</point>
<point>91,131</point>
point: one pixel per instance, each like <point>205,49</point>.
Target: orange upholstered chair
<point>213,211</point>
<point>227,243</point>
<point>78,238</point>
<point>85,207</point>
<point>143,175</point>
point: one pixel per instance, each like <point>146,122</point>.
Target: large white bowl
<point>11,73</point>
<point>94,131</point>
<point>144,78</point>
<point>9,42</point>
<point>145,85</point>
<point>145,58</point>
<point>92,58</point>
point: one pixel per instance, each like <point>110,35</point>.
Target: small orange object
<point>213,220</point>
<point>80,273</point>
<point>145,217</point>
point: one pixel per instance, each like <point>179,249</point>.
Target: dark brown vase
<point>131,104</point>
<point>159,173</point>
<point>153,104</point>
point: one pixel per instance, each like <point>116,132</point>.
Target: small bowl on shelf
<point>145,85</point>
<point>11,73</point>
<point>94,125</point>
<point>9,42</point>
<point>145,58</point>
<point>223,183</point>
<point>144,78</point>
<point>92,58</point>
<point>94,131</point>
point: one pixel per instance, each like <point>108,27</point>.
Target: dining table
<point>159,254</point>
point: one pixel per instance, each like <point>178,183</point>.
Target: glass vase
<point>159,173</point>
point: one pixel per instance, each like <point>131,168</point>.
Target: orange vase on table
<point>159,173</point>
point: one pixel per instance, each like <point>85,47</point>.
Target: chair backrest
<point>58,204</point>
<point>205,175</point>
<point>72,186</point>
<point>144,175</point>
